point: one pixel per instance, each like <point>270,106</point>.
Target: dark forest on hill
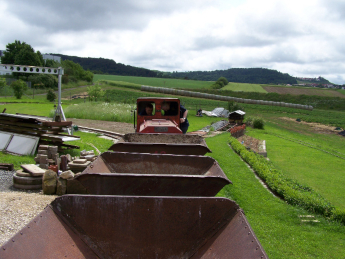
<point>240,75</point>
<point>108,66</point>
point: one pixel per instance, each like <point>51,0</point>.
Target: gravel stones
<point>18,207</point>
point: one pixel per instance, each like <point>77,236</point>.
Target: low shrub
<point>258,123</point>
<point>232,106</point>
<point>248,121</point>
<point>220,83</point>
<point>19,87</point>
<point>51,96</point>
<point>289,190</point>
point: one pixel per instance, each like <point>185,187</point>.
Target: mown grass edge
<point>288,189</point>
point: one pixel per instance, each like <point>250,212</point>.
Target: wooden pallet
<point>49,132</point>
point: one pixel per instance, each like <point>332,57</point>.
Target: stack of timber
<point>49,132</point>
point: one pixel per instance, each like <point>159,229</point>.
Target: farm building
<point>236,117</point>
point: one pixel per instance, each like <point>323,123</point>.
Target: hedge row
<point>289,190</point>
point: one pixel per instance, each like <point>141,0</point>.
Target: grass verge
<point>276,223</point>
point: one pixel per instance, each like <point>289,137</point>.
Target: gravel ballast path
<point>18,207</point>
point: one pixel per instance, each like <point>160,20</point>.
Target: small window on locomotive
<point>146,108</point>
<point>170,108</point>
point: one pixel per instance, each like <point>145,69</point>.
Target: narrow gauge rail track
<point>107,133</point>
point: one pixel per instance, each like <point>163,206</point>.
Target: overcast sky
<point>303,38</point>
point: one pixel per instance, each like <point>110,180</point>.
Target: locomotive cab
<point>158,115</point>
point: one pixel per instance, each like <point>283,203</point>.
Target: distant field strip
<point>338,154</point>
<point>305,91</point>
<point>237,87</point>
<point>160,82</point>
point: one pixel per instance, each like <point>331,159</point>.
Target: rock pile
<point>56,184</point>
<point>51,171</point>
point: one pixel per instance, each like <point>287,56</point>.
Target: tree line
<point>108,66</point>
<point>79,68</point>
<point>21,53</point>
<point>240,75</point>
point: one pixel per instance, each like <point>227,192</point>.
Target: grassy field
<point>312,158</point>
<point>244,87</point>
<point>295,148</point>
<point>40,109</point>
<point>160,82</point>
<point>276,224</point>
<point>304,90</point>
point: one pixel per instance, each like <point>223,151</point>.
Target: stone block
<point>61,187</point>
<point>67,175</point>
<point>49,182</point>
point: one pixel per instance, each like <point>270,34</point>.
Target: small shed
<point>236,117</point>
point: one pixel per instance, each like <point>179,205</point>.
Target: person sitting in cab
<point>148,110</point>
<point>184,124</point>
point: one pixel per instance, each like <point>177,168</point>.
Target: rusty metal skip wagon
<point>141,205</point>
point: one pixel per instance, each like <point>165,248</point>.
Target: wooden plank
<point>31,125</point>
<point>5,166</point>
<point>12,117</point>
<point>34,170</point>
<point>22,129</point>
<point>57,124</point>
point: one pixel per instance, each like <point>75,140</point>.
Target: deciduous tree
<point>19,88</point>
<point>20,53</point>
<point>95,91</point>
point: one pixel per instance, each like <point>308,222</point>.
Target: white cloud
<point>302,38</point>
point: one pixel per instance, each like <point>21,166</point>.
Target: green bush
<point>248,121</point>
<point>220,83</point>
<point>338,215</point>
<point>232,106</point>
<point>289,190</point>
<point>217,85</point>
<point>44,81</point>
<point>2,82</point>
<point>258,123</point>
<point>19,88</point>
<point>51,96</point>
<point>224,80</point>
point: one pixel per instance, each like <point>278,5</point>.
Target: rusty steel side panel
<point>46,236</point>
<point>159,227</point>
<point>237,237</point>
<point>164,138</point>
<point>159,148</point>
<point>87,226</point>
<point>143,163</point>
<point>151,185</point>
<point>120,173</point>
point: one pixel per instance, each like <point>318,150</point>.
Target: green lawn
<point>39,109</point>
<point>244,87</point>
<point>317,160</point>
<point>160,82</point>
<point>276,224</point>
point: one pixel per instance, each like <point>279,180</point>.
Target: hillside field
<point>236,87</point>
<point>159,82</point>
<point>304,90</point>
<point>311,154</point>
